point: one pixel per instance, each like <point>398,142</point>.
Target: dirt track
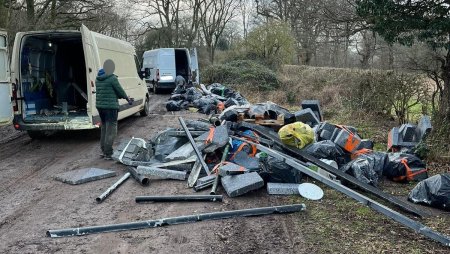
<point>32,202</point>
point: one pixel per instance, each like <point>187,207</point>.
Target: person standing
<point>108,93</point>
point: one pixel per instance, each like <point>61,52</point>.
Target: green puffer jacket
<point>108,92</point>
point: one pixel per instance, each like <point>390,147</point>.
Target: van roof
<point>50,31</point>
<point>118,45</point>
<point>162,49</point>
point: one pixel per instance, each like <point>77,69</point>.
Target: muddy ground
<point>32,203</point>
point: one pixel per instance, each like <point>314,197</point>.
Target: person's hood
<point>101,72</point>
<point>104,77</point>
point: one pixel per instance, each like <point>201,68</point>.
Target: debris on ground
<point>403,167</point>
<point>84,175</point>
<point>408,136</point>
<point>259,211</point>
<point>243,147</point>
<point>206,100</point>
<point>434,191</point>
<point>310,191</point>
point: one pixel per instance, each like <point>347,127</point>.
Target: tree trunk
<point>30,13</point>
<point>213,52</point>
<point>53,14</point>
<point>3,15</point>
<point>391,57</point>
<point>308,57</point>
<point>444,107</point>
<point>442,118</point>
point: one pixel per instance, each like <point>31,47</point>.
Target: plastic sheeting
<point>175,105</point>
<point>205,104</point>
<point>397,170</point>
<point>367,168</point>
<point>328,150</point>
<point>277,171</point>
<point>434,191</point>
<point>165,144</point>
<point>269,110</point>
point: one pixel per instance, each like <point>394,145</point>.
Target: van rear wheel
<point>155,88</point>
<point>146,110</point>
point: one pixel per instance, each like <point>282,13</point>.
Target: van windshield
<point>167,61</point>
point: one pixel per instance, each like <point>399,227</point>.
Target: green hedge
<point>241,72</point>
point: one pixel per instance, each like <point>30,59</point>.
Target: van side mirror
<point>144,73</point>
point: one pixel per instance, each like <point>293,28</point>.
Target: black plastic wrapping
<point>434,191</point>
<point>395,167</point>
<point>326,149</point>
<point>367,168</point>
<point>277,171</point>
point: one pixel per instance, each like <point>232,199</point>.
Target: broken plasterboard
<point>84,175</point>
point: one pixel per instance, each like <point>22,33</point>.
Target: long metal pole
<point>111,189</point>
<point>142,179</point>
<point>212,198</point>
<point>204,185</point>
<point>197,152</point>
<point>415,225</point>
<point>177,220</point>
<point>216,181</point>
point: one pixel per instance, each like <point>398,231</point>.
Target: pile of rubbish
<point>225,146</point>
<point>209,100</point>
<point>243,147</point>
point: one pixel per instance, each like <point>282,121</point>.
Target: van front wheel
<point>146,110</point>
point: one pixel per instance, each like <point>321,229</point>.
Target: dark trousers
<point>108,129</point>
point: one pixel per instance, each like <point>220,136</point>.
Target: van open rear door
<point>6,109</point>
<point>91,60</point>
<point>194,65</point>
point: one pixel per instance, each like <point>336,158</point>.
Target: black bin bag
<point>404,167</point>
<point>434,191</point>
<point>367,168</point>
<point>277,171</point>
<point>326,149</point>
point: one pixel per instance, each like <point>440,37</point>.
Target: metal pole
<point>216,181</point>
<point>111,189</point>
<point>212,198</point>
<point>204,185</point>
<point>177,220</point>
<point>143,180</point>
<point>197,152</point>
<point>214,186</point>
<point>415,225</point>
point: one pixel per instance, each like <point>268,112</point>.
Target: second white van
<point>165,64</point>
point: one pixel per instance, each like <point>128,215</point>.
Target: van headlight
<point>166,78</point>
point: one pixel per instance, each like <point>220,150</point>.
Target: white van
<point>52,79</point>
<point>165,64</point>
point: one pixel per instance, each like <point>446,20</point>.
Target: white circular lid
<point>310,191</point>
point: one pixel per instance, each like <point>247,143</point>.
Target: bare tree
<point>246,11</point>
<point>167,13</point>
<point>367,49</point>
<point>215,15</point>
<point>190,23</point>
